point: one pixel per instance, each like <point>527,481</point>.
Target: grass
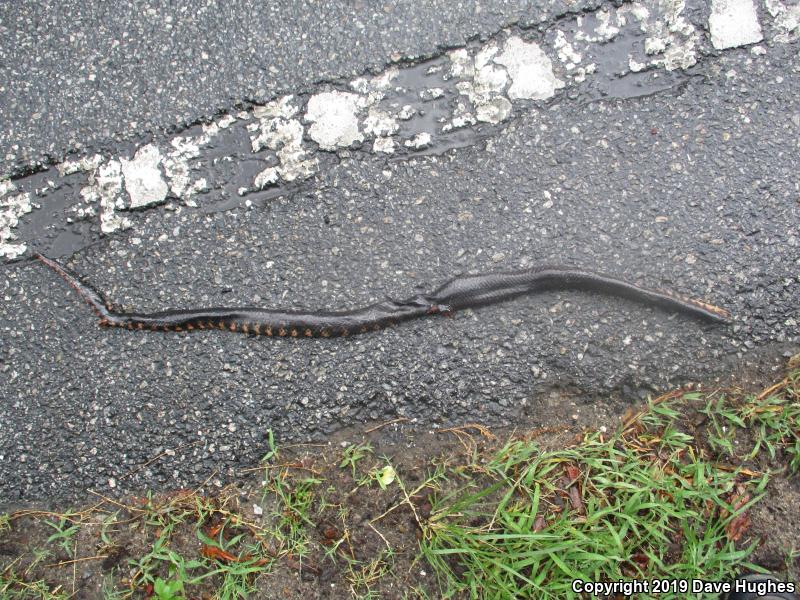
<point>666,496</point>
<point>13,586</point>
<point>294,502</point>
<point>771,418</point>
<point>648,502</point>
<point>19,584</point>
<point>228,557</point>
<point>363,576</point>
<point>605,511</point>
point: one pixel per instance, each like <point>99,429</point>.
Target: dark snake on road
<point>468,291</point>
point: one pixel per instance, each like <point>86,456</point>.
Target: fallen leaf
<point>575,500</point>
<point>386,475</point>
<point>736,528</point>
<point>572,472</point>
<point>539,523</point>
<point>218,553</point>
<point>641,560</point>
<point>739,524</point>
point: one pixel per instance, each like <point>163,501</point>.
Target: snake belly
<point>470,291</point>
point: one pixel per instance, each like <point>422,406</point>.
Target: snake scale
<point>463,292</point>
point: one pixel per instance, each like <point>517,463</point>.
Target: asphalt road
<point>77,76</point>
<point>681,174</point>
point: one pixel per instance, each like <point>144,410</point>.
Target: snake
<point>459,293</point>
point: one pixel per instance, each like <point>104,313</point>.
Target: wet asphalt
<point>77,76</point>
<point>693,188</point>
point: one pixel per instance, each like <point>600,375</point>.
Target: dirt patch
<point>346,519</point>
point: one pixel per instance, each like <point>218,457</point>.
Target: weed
<point>181,506</point>
<point>65,531</point>
<point>416,593</point>
<point>109,591</point>
<point>40,555</point>
<point>182,573</point>
<point>273,448</point>
<point>351,456</point>
<point>661,413</point>
<point>772,418</point>
<point>237,580</point>
<point>15,587</point>
<point>167,590</point>
<point>385,476</point>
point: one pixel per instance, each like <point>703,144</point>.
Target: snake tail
<point>92,297</point>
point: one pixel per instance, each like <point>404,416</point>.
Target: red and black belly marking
<point>457,294</point>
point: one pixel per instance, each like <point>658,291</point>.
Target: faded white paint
<point>483,82</point>
<point>384,145</point>
<point>530,69</point>
<point>143,180</point>
<point>462,117</point>
<point>226,121</point>
<point>334,119</point>
<point>283,107</point>
<point>638,10</point>
<point>787,20</point>
<point>277,131</point>
<point>431,94</point>
<point>489,81</point>
<point>671,40</point>
<point>6,186</point>
<point>733,23</point>
<point>566,52</point>
<point>177,168</point>
<point>380,123</point>
<point>288,145</point>
<point>494,111</point>
<point>461,64</point>
<point>406,112</point>
<point>376,88</point>
<point>105,188</point>
<point>419,141</point>
<point>480,84</point>
<point>607,29</point>
<point>82,165</point>
<point>581,73</point>
<point>12,207</point>
<point>267,177</point>
<point>176,163</point>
